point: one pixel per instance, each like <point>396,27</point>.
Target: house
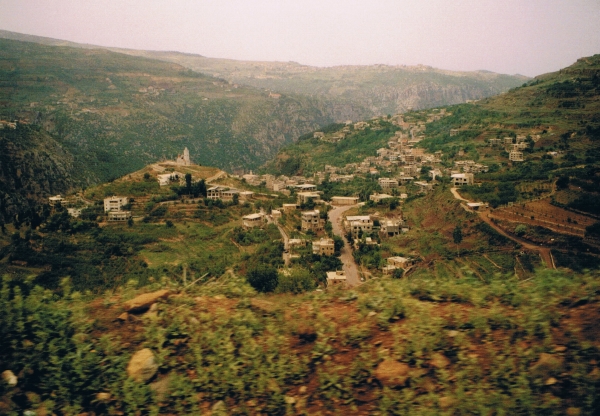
<point>454,132</point>
<point>276,214</point>
<point>312,221</point>
<point>344,200</point>
<point>397,262</point>
<point>229,194</point>
<point>495,142</point>
<point>253,220</point>
<point>115,203</point>
<point>356,224</point>
<point>246,195</point>
<point>297,242</point>
<point>74,212</point>
<point>387,183</point>
<point>307,187</point>
<point>515,156</point>
<point>323,247</point>
<point>336,278</point>
<point>508,140</point>
<point>391,227</point>
<point>434,173</point>
<point>460,179</point>
<point>119,215</point>
<point>289,207</point>
<point>55,200</point>
<point>379,197</point>
<point>318,135</point>
<point>216,192</point>
<point>476,206</point>
<point>305,197</point>
<point>411,170</point>
<point>424,186</point>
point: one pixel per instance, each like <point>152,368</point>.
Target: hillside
<point>33,166</point>
<point>115,113</point>
<point>351,92</point>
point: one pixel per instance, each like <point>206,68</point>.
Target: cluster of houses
<point>8,124</point>
<point>514,146</point>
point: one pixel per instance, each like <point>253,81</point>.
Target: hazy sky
<point>529,37</point>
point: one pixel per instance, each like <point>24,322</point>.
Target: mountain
<point>558,111</point>
<point>116,113</point>
<point>371,90</point>
<point>351,92</point>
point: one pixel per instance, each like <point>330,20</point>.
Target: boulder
<point>392,373</point>
<point>547,366</point>
<point>447,402</point>
<point>9,378</point>
<point>143,302</point>
<point>142,366</point>
<point>439,360</point>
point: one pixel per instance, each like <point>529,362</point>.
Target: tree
<point>338,244</point>
<point>457,236</point>
<point>263,278</point>
<point>188,183</point>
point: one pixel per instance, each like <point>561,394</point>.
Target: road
<point>286,244</point>
<point>352,275</point>
<point>544,252</point>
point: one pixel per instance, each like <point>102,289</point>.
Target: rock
<point>124,317</point>
<point>302,390</point>
<point>573,411</point>
<point>143,302</point>
<point>153,308</point>
<point>547,366</point>
<point>219,408</point>
<point>142,366</point>
<point>551,381</point>
<point>194,321</point>
<point>161,388</point>
<point>560,348</point>
<point>9,378</point>
<point>103,397</point>
<point>371,314</point>
<point>392,373</point>
<point>447,402</point>
<point>439,360</point>
<point>453,333</point>
<point>289,399</point>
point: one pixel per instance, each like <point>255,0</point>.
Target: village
<point>401,169</point>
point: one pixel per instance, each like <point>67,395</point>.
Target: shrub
<point>263,278</point>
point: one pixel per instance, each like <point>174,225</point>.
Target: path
<point>286,244</point>
<point>544,252</point>
<point>352,274</point>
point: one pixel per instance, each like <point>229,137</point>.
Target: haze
<point>514,36</point>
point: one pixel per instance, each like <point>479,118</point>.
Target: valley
<point>173,242</point>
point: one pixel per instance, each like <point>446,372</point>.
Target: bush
<point>263,278</point>
<point>297,281</point>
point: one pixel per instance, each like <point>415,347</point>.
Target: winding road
<point>544,252</point>
<point>352,274</point>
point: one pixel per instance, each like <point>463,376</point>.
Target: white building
<point>115,203</point>
<point>460,179</point>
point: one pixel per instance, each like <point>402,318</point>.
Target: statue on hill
<point>184,159</point>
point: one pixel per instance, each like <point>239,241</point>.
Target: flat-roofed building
<point>119,215</point>
<point>55,200</point>
<point>323,247</point>
<point>253,220</point>
<point>515,156</point>
<point>115,203</point>
<point>379,197</point>
<point>359,223</point>
<point>388,183</point>
<point>460,179</point>
<point>344,200</point>
<point>312,221</point>
<point>335,278</point>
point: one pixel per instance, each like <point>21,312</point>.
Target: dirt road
<point>352,274</point>
<point>544,252</point>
